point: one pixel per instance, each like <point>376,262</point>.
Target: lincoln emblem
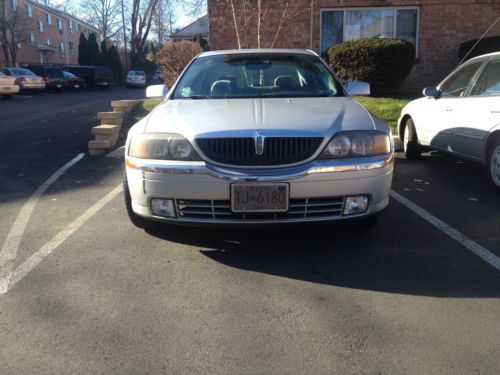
<point>259,144</point>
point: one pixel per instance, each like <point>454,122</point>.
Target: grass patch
<point>387,109</point>
<point>139,112</point>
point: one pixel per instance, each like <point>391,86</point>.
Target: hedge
<point>384,63</point>
<point>486,45</point>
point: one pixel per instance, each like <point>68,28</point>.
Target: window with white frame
<point>32,38</point>
<point>338,25</point>
<point>17,36</point>
<point>28,9</point>
<point>59,24</point>
<point>13,4</point>
<point>77,27</point>
<point>50,42</point>
<point>40,25</point>
<point>70,24</point>
<point>48,18</point>
<point>61,47</point>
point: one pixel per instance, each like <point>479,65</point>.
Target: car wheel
<point>137,220</point>
<point>411,147</point>
<point>494,164</point>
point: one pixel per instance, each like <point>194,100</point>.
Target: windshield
<point>257,75</point>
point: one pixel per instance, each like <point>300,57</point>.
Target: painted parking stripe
<point>58,239</point>
<point>10,247</point>
<point>465,241</point>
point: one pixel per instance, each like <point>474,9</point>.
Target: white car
<point>136,78</point>
<point>8,86</point>
<point>26,79</point>
<point>460,116</point>
<point>257,136</point>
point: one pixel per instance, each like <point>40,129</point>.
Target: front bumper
<point>201,192</point>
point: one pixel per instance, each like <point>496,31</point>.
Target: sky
<point>183,19</point>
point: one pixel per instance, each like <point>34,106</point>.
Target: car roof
<point>258,51</point>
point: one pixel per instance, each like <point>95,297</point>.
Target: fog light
<point>163,207</point>
<point>355,205</point>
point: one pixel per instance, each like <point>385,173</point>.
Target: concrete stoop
<point>107,134</point>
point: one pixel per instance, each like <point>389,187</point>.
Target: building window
<point>17,36</point>
<point>40,26</point>
<point>13,4</point>
<point>48,18</point>
<point>50,42</point>
<point>28,10</point>
<point>70,24</point>
<point>71,45</point>
<point>347,24</point>
<point>77,27</point>
<point>32,38</point>
<point>59,24</point>
<point>61,47</point>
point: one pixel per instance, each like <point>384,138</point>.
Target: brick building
<point>436,27</point>
<point>44,35</point>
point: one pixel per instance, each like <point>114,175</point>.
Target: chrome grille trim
<point>206,210</point>
<point>242,151</point>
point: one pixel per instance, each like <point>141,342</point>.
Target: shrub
<point>384,63</point>
<point>174,57</point>
<point>486,45</point>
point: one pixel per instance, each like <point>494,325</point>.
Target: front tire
<point>137,220</point>
<point>411,147</point>
<point>494,164</point>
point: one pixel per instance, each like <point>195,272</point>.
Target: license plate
<point>259,197</point>
<point>77,86</point>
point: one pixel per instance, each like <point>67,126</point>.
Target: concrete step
<point>111,138</point>
<point>99,144</point>
<point>112,118</point>
<point>106,129</point>
<point>120,107</point>
<point>129,102</point>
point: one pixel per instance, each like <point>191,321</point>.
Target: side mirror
<point>358,88</point>
<point>431,92</point>
<point>156,91</point>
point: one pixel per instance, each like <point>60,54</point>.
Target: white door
<point>442,111</point>
<point>479,112</point>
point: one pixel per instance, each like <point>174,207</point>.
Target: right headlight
<point>162,146</point>
<point>357,143</point>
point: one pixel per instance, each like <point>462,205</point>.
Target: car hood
<point>209,118</point>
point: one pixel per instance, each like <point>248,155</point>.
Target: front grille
<point>242,151</point>
<point>299,208</point>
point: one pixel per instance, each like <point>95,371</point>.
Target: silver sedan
<point>258,136</point>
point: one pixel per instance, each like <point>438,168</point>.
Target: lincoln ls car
<point>258,137</point>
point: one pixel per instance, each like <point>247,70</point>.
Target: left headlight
<point>162,146</point>
<point>357,143</point>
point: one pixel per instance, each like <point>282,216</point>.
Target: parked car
<point>52,76</point>
<point>26,79</point>
<point>8,86</point>
<point>94,76</point>
<point>460,116</point>
<point>136,78</point>
<point>73,82</point>
<point>258,136</point>
<point>157,77</point>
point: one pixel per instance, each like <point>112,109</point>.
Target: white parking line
<point>10,247</point>
<point>472,246</point>
<point>58,239</point>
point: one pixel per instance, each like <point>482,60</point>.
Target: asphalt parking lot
<point>83,291</point>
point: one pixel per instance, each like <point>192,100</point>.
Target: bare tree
<point>105,15</point>
<point>14,31</point>
<point>164,19</point>
<point>141,19</point>
<point>266,19</point>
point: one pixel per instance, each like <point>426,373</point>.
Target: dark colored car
<point>94,76</point>
<point>74,82</point>
<point>52,76</point>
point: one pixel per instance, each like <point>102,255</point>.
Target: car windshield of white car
<point>257,76</point>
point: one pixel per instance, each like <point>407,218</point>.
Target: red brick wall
<point>444,24</point>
